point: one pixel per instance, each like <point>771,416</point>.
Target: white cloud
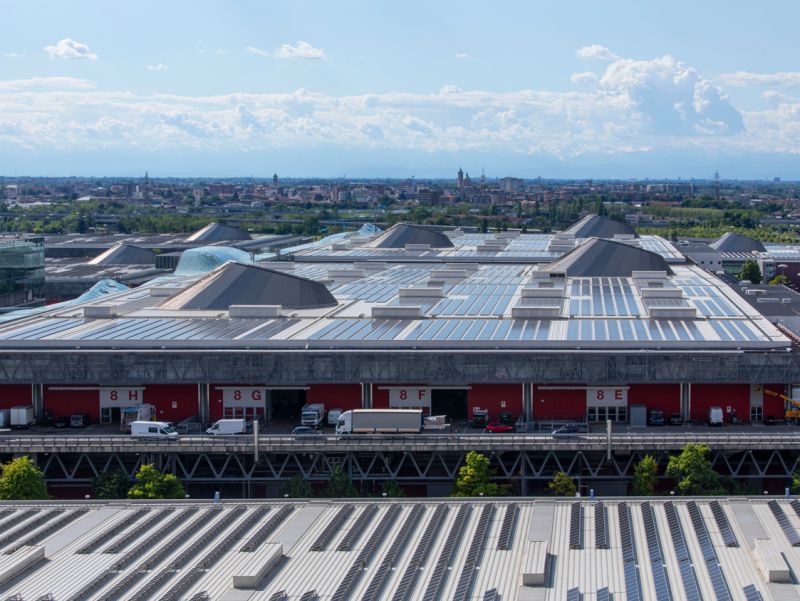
<point>596,52</point>
<point>256,51</point>
<point>157,67</point>
<point>583,78</point>
<point>462,55</point>
<point>629,106</point>
<point>71,49</point>
<point>13,55</point>
<point>303,50</point>
<point>742,79</point>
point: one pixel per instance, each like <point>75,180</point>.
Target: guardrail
<point>422,442</point>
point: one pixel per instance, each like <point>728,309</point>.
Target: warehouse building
<point>504,549</point>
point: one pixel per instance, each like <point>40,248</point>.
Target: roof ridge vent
<point>250,311</point>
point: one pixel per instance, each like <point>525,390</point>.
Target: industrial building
<point>504,549</point>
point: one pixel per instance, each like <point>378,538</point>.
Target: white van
<point>153,430</point>
<point>715,416</point>
<point>228,426</point>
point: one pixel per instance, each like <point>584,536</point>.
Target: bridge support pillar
<point>203,400</point>
<point>686,401</point>
<point>527,400</point>
<point>366,395</point>
<point>37,399</point>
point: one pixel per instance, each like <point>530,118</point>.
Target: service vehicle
<point>135,413</point>
<point>163,430</point>
<point>22,417</point>
<point>79,420</point>
<point>305,431</point>
<point>675,419</point>
<point>379,421</point>
<point>228,426</point>
<point>716,417</point>
<point>656,418</point>
<point>313,415</point>
<point>333,416</point>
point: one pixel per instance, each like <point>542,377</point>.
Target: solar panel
<point>506,537</point>
<point>333,527</point>
<point>751,593</point>
<point>660,581</point>
<point>631,572</point>
<point>600,529</point>
<point>796,506</point>
<point>407,583</point>
<point>467,579</point>
<point>441,572</point>
<point>491,595</point>
<point>723,524</point>
<point>574,594</point>
<point>603,594</point>
<point>715,574</point>
<point>357,529</point>
<point>576,526</point>
<point>783,521</point>
<point>260,535</point>
<point>278,596</point>
<point>309,596</point>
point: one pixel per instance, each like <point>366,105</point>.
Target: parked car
<point>305,431</point>
<point>569,430</point>
<point>61,422</point>
<point>499,427</point>
<point>656,418</point>
<point>770,420</point>
<point>79,420</point>
<point>676,419</point>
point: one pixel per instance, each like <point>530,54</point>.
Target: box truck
<point>22,417</point>
<point>313,415</point>
<point>379,421</point>
<point>228,426</point>
<point>153,430</point>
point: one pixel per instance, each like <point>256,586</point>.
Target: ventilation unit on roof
<point>673,312</point>
<point>660,292</point>
<point>100,311</point>
<point>251,311</point>
<point>543,291</point>
<point>421,292</point>
<point>341,276</point>
<point>340,246</point>
<point>396,311</point>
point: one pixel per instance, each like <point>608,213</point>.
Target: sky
<point>617,89</point>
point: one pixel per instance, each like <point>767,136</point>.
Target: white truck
<point>135,413</point>
<point>162,430</point>
<point>228,426</point>
<point>333,416</point>
<point>313,415</point>
<point>22,417</point>
<point>379,421</point>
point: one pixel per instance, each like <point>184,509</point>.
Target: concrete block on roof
<point>534,563</point>
<point>252,567</point>
<point>770,561</point>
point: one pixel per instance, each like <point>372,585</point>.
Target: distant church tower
<point>274,179</point>
<point>460,178</point>
<point>146,187</point>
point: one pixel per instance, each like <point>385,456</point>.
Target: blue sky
<point>567,89</point>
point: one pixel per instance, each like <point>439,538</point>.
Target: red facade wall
<point>735,396</point>
<point>489,396</point>
<point>62,403</point>
<point>773,405</point>
<point>162,396</point>
<point>342,396</point>
<point>12,395</point>
<point>559,404</point>
<point>666,397</point>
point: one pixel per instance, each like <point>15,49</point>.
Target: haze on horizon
<point>321,89</point>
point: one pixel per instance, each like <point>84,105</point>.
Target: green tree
<point>693,472</point>
<point>391,488</point>
<point>152,484</point>
<point>645,477</point>
<point>780,280</point>
<point>475,478</point>
<point>297,488</point>
<point>111,485</point>
<point>340,486</point>
<point>750,272</point>
<point>562,485</point>
<point>21,480</point>
<point>796,483</point>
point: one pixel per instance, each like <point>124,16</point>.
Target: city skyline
<point>307,89</point>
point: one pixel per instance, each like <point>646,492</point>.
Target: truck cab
<point>313,415</point>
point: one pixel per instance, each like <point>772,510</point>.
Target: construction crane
<point>789,413</point>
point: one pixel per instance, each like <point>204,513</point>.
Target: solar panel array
<point>728,537</point>
<point>49,529</point>
<point>657,567</point>
<point>632,585</point>
<point>506,538</point>
<point>357,530</point>
<point>124,541</point>
<point>576,526</point>
<point>603,594</point>
<point>421,554</point>
<point>796,506</point>
<point>140,549</point>
<point>783,522</point>
<point>333,527</point>
<point>29,526</point>
<point>466,581</point>
<point>102,538</point>
<point>309,596</point>
<point>266,529</point>
<point>278,596</point>
<point>393,556</point>
<point>600,526</point>
<point>751,593</point>
<point>574,594</point>
<point>491,595</point>
<point>690,587</point>
<point>718,581</point>
<point>441,572</point>
<point>367,554</point>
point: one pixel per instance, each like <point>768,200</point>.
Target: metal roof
<point>595,226</point>
<point>401,234</point>
<point>240,284</point>
<point>125,254</point>
<point>470,550</point>
<point>216,232</point>
<point>736,243</point>
<point>607,258</point>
